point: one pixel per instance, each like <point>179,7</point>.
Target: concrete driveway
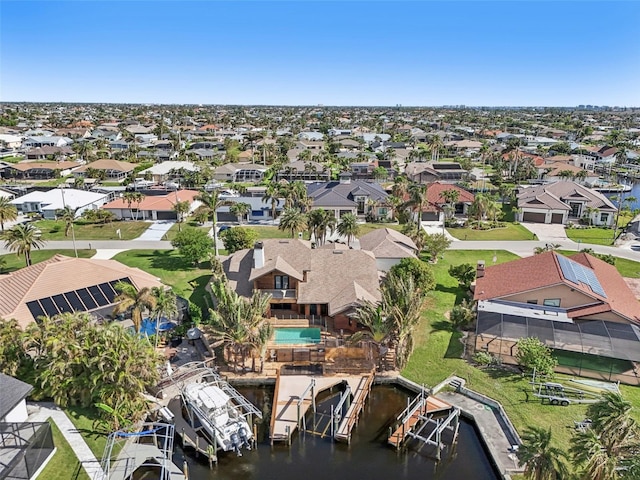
<point>433,228</point>
<point>547,232</point>
<point>156,230</point>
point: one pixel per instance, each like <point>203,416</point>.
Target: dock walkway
<point>360,390</point>
<point>409,420</point>
<point>295,394</point>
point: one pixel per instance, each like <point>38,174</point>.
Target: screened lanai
<point>593,337</point>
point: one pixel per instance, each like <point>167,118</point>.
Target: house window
<point>604,218</point>
<point>281,282</point>
<point>382,212</point>
<point>575,209</point>
<point>551,302</point>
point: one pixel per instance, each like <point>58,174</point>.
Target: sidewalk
<point>42,411</point>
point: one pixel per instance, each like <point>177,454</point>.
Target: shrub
<point>418,270</point>
<point>533,354</point>
<point>483,358</point>
<point>462,315</point>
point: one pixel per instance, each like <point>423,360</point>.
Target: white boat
<point>222,420</point>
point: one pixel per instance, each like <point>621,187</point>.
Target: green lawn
<point>596,236</point>
<point>187,281</point>
<point>11,159</point>
<point>511,231</point>
<point>438,351</point>
<point>369,227</point>
<point>64,464</point>
<point>265,232</point>
<point>83,419</point>
<point>173,231</point>
<point>54,230</point>
<point>12,262</point>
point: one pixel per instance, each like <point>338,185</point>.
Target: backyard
<point>54,230</point>
<point>64,464</point>
<point>186,280</point>
<point>438,352</point>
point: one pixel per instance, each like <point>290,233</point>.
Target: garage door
<point>556,218</point>
<point>533,217</point>
<point>167,216</point>
<point>430,216</point>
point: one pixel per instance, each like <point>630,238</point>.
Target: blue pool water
<point>296,336</point>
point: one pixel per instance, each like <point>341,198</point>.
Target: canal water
<point>368,457</point>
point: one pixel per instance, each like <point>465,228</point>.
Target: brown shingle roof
<point>388,243</point>
<point>108,164</point>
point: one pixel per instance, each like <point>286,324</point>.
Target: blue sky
<point>330,53</point>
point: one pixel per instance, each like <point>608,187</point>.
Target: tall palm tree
<point>137,300</point>
<point>379,327</point>
<point>272,194</point>
<point>130,198</point>
<point>417,201</point>
<point>68,216</point>
<point>435,145</point>
<point>541,460</point>
<point>165,307</point>
<point>294,220</point>
<point>348,227</point>
<point>451,196</point>
<point>318,221</point>
<point>211,202</point>
<point>8,212</point>
<point>22,239</point>
<point>240,210</point>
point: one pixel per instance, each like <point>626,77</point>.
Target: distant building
<point>49,202</point>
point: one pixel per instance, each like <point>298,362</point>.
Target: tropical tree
<point>138,301</point>
<point>14,359</point>
<point>211,202</point>
<point>435,145</point>
<point>181,208</point>
<point>451,196</point>
<point>348,227</point>
<point>8,212</point>
<point>165,306</point>
<point>194,244</point>
<point>131,198</point>
<point>417,201</point>
<point>22,239</point>
<point>272,195</point>
<point>541,460</point>
<point>379,329</point>
<point>294,220</point>
<point>435,245</point>
<point>318,221</point>
<point>240,210</point>
<point>68,216</point>
<point>240,322</point>
<point>238,238</point>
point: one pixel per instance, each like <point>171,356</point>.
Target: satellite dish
<point>194,333</point>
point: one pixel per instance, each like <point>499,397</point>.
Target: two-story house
<point>303,281</point>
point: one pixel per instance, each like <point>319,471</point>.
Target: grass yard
<point>83,419</point>
<point>438,350</point>
<point>11,262</point>
<point>54,230</point>
<point>265,232</point>
<point>595,235</point>
<point>64,464</point>
<point>185,279</point>
<point>369,227</point>
<point>511,231</point>
<point>173,231</point>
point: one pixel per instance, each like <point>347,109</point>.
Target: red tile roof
<point>540,271</point>
<point>161,203</point>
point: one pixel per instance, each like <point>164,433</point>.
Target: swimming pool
<point>296,336</point>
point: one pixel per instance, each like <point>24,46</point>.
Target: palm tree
<point>181,209</point>
<point>272,194</point>
<point>211,202</point>
<point>132,197</point>
<point>541,460</point>
<point>435,145</point>
<point>348,227</point>
<point>136,300</point>
<point>22,239</point>
<point>380,328</point>
<point>240,210</point>
<point>451,196</point>
<point>8,212</point>
<point>590,211</point>
<point>165,307</point>
<point>588,450</point>
<point>294,220</point>
<point>67,215</point>
<point>417,201</point>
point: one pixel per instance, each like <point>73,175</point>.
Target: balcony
<point>287,294</point>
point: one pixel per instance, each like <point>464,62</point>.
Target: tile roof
<point>25,166</point>
<point>388,243</point>
<point>553,195</point>
<point>160,203</point>
<point>60,274</point>
<point>108,164</point>
<point>540,271</point>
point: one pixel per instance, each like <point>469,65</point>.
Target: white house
<point>164,171</point>
<point>13,394</point>
<point>47,203</point>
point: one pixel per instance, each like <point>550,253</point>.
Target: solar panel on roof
<point>62,303</point>
<point>75,302</point>
<point>87,299</point>
<point>108,291</point>
<point>99,297</point>
<point>49,307</point>
<point>577,273</point>
<point>35,309</point>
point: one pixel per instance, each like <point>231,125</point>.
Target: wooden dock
<point>422,407</point>
<point>295,394</point>
<point>360,390</point>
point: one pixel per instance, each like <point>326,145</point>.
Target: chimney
<point>258,255</point>
<point>480,269</point>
